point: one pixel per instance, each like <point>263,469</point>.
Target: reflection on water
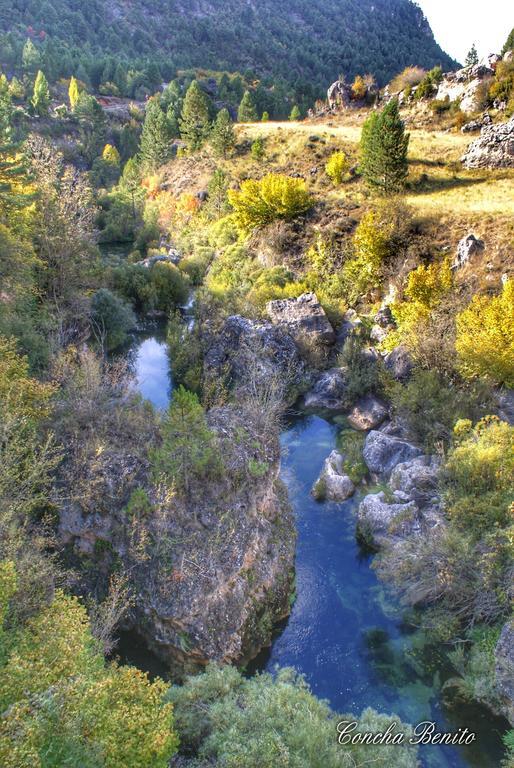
<point>346,635</point>
<point>149,361</point>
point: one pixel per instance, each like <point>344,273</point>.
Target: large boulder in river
<point>383,452</point>
<point>379,520</point>
<point>333,483</point>
<point>329,391</point>
<point>368,413</point>
<point>303,318</point>
<point>417,479</point>
<point>245,352</point>
<point>504,667</point>
<point>494,148</point>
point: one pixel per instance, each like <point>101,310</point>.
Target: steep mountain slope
<point>302,41</point>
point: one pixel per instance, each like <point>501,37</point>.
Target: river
<point>345,634</point>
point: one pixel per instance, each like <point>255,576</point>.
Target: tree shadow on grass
<point>426,184</point>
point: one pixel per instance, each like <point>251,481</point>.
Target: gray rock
<point>328,391</point>
<point>382,453</point>
<point>468,247</point>
<point>379,521</point>
<point>505,405</point>
<point>399,363</point>
<point>338,95</point>
<point>333,484</point>
<point>246,352</point>
<point>302,317</point>
<point>504,667</point>
<point>417,479</point>
<point>368,413</point>
<point>494,148</point>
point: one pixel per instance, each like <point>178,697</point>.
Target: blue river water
<point>345,633</point>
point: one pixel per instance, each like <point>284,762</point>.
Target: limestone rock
<point>302,317</point>
<point>368,413</point>
<point>494,148</point>
<point>245,351</point>
<point>417,479</point>
<point>468,247</point>
<point>333,484</point>
<point>399,363</point>
<point>328,391</point>
<point>504,665</point>
<point>383,452</point>
<point>379,521</point>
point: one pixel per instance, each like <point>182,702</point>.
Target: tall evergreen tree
<point>384,147</point>
<point>295,113</point>
<point>194,122</point>
<point>31,58</point>
<point>155,138</point>
<point>13,171</point>
<point>41,98</point>
<point>223,138</point>
<point>509,43</point>
<point>247,112</point>
<point>472,57</point>
<point>92,123</point>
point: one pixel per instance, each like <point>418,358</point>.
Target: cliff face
<point>212,573</point>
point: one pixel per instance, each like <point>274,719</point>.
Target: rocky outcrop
<point>210,571</point>
<point>379,520</point>
<point>338,95</point>
<point>368,412</point>
<point>465,84</point>
<point>504,667</point>
<point>382,453</point>
<point>328,391</point>
<point>494,148</point>
<point>475,125</point>
<point>303,318</point>
<point>467,247</point>
<point>399,363</point>
<point>411,506</point>
<point>333,483</point>
<point>245,353</point>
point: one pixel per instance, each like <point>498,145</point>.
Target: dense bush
<point>263,722</point>
<point>275,196</point>
<point>337,167</point>
<point>485,337</point>
<point>479,475</point>
<point>61,703</point>
<point>111,319</point>
<point>362,373</point>
<point>162,287</point>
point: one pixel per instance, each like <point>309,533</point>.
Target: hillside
<point>307,43</point>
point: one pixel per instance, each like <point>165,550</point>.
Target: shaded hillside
<point>305,42</point>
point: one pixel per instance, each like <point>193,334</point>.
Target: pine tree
<point>13,171</point>
<point>472,57</point>
<point>295,113</point>
<point>384,147</point>
<point>31,58</point>
<point>73,93</point>
<point>130,181</point>
<point>194,122</point>
<point>222,137</point>
<point>247,112</point>
<point>265,117</point>
<point>509,43</point>
<point>41,98</point>
<point>155,137</point>
<point>217,203</point>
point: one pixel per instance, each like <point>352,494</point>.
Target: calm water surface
<point>344,633</point>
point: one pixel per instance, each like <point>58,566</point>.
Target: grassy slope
<point>451,200</point>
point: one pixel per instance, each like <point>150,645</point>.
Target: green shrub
<point>111,319</point>
<point>265,722</point>
<point>258,149</point>
<point>162,287</point>
<point>361,370</point>
<point>350,444</point>
<point>479,475</point>
<point>273,197</point>
<point>430,406</point>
